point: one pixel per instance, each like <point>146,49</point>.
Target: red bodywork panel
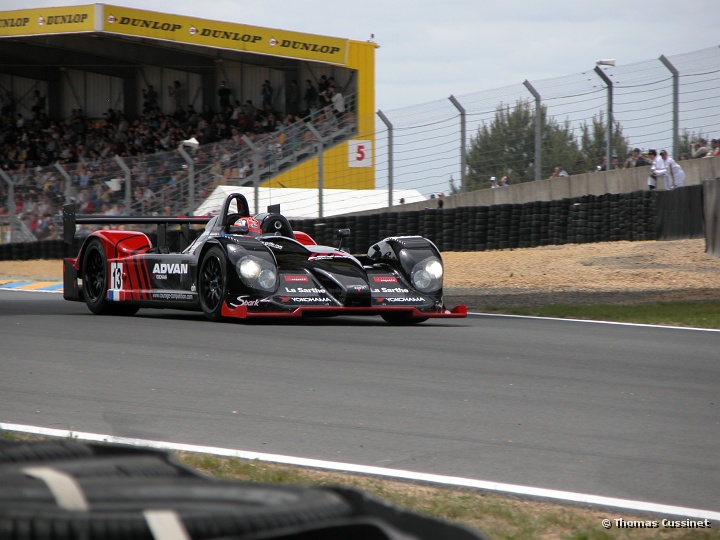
<point>117,245</point>
<point>304,238</point>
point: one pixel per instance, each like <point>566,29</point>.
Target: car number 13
<point>116,275</point>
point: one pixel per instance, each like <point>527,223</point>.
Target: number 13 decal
<point>116,275</point>
<point>359,153</point>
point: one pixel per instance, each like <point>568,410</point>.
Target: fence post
<point>128,188</point>
<point>256,170</point>
<point>191,176</point>
<point>538,128</point>
<point>321,171</point>
<point>609,120</point>
<point>68,180</point>
<point>676,105</point>
<point>11,202</point>
<point>390,129</point>
<point>463,149</point>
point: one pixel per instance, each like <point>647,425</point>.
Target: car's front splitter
<point>242,312</point>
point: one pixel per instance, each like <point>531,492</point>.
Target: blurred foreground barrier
<point>68,490</point>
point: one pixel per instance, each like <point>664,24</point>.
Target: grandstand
<point>107,95</point>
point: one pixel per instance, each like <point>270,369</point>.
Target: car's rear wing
<point>71,220</point>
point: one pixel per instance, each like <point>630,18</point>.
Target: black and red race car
<point>244,266</point>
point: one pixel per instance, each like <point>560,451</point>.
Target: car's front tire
<point>213,283</point>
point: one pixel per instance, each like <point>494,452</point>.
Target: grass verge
<point>688,314</point>
<point>498,517</point>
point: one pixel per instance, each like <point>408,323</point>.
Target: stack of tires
<point>53,490</point>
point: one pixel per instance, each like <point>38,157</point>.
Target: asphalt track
<point>627,412</point>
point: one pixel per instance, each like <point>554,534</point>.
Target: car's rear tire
<point>401,319</point>
<point>95,278</point>
<point>213,283</point>
<point>95,283</point>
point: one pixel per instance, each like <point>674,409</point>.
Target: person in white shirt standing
<point>658,170</point>
<point>676,176</point>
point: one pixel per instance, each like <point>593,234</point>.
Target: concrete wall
<point>595,183</point>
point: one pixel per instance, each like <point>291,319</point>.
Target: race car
<point>242,266</point>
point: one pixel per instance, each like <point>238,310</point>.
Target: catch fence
<point>657,103</point>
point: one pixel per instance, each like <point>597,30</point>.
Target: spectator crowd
<point>32,145</point>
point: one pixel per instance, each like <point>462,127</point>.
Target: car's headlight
<point>257,273</point>
<point>427,275</point>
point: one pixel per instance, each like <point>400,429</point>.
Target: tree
<point>594,143</point>
<point>454,189</point>
<point>506,147</point>
<point>503,148</point>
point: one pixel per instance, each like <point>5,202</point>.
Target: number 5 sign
<point>359,153</point>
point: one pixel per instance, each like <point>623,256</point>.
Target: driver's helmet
<point>251,224</point>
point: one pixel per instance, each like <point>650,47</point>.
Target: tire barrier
<point>69,490</point>
<point>640,215</point>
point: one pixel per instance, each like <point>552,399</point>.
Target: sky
<point>432,50</point>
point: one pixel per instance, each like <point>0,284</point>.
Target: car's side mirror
<point>342,234</point>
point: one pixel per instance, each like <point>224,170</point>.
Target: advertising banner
<point>135,22</point>
<point>23,22</point>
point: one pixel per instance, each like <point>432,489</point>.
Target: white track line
<point>595,322</point>
<point>377,471</point>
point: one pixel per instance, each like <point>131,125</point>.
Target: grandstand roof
<point>109,39</point>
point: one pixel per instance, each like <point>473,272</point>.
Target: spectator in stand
<point>504,182</point>
<point>493,182</point>
<point>224,94</point>
<point>603,164</point>
<point>179,114</point>
<point>192,119</point>
<point>715,148</point>
<point>323,126</point>
<point>700,148</point>
<point>559,172</point>
<point>310,98</point>
<point>150,99</point>
<point>37,104</point>
<point>292,94</point>
<point>244,123</point>
<point>338,102</point>
<point>249,109</point>
<point>236,111</point>
<point>177,94</point>
<point>9,105</point>
<point>267,95</point>
<point>632,160</point>
<point>676,176</point>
